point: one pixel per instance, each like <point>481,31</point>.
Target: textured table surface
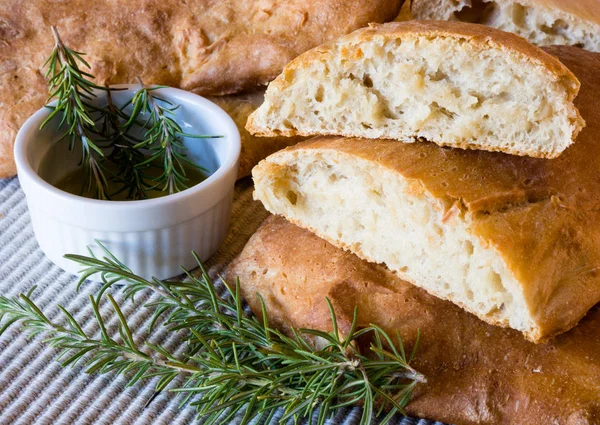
<point>35,389</point>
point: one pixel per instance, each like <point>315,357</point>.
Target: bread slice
<point>511,239</point>
<point>542,22</point>
<point>476,373</point>
<point>454,84</point>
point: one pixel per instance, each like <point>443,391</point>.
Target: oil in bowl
<point>74,182</point>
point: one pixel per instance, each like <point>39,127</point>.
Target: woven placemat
<point>35,389</point>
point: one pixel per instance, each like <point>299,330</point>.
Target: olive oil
<point>74,183</point>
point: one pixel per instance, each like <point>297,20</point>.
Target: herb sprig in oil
<point>73,89</point>
<point>163,138</point>
<point>119,148</point>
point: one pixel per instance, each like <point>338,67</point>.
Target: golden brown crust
<point>254,149</point>
<point>476,373</point>
<point>207,46</point>
<point>478,35</point>
<point>541,216</point>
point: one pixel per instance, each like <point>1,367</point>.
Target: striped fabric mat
<point>35,389</point>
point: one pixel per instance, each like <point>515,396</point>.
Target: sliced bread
<point>455,84</point>
<point>542,22</point>
<point>511,239</point>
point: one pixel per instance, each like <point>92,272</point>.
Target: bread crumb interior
<point>442,89</point>
<point>367,209</point>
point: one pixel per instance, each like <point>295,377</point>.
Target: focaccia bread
<point>476,373</point>
<point>454,84</point>
<point>542,22</point>
<point>207,46</point>
<point>514,240</point>
<point>254,149</point>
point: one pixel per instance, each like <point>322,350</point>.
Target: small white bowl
<point>153,237</point>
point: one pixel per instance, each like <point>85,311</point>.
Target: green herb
<point>234,363</point>
<point>113,156</point>
<point>72,89</point>
<point>163,138</point>
<point>130,162</point>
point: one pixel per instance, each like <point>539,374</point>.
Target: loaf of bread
<point>254,149</point>
<point>514,240</point>
<point>476,373</point>
<point>542,22</point>
<point>206,46</point>
<point>455,84</point>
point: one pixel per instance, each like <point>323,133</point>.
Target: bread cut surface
<point>511,239</point>
<point>455,84</point>
<point>476,373</point>
<point>542,22</point>
<point>207,46</point>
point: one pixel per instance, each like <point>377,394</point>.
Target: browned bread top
<point>208,46</point>
<point>476,373</point>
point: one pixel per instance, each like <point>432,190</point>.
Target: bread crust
<point>476,373</point>
<point>207,46</point>
<point>539,215</point>
<point>478,35</point>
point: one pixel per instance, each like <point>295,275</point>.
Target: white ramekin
<point>153,237</point>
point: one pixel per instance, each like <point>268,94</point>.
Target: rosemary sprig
<point>72,88</point>
<point>116,154</point>
<point>130,167</point>
<point>234,363</point>
<point>163,138</point>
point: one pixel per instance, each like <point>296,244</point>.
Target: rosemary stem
<point>411,375</point>
<point>57,41</point>
<point>157,111</point>
<point>60,47</point>
<point>127,353</point>
<point>179,367</point>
